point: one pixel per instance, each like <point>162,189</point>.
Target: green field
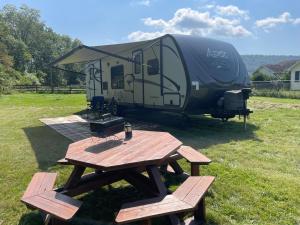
<point>257,171</point>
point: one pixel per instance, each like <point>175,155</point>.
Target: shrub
<point>29,79</point>
<point>257,76</point>
<point>8,78</point>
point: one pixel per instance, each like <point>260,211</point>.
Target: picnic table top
<point>113,153</point>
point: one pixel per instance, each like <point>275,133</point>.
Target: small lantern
<point>128,130</point>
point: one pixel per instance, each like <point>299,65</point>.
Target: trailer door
<point>93,80</point>
<point>138,73</point>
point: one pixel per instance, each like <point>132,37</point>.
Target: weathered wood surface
<point>150,208</point>
<point>193,189</point>
<point>193,156</point>
<point>56,204</point>
<point>185,198</point>
<point>40,183</point>
<point>145,148</point>
<point>75,177</point>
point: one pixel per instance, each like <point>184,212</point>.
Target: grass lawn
<point>257,171</point>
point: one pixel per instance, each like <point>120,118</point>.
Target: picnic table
<point>116,158</point>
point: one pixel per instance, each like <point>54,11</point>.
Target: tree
<point>5,58</point>
<point>258,76</point>
<point>30,46</point>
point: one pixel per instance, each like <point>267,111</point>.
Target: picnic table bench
<point>186,198</point>
<point>40,195</point>
<point>114,159</point>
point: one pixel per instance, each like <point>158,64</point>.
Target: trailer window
<point>117,77</point>
<point>137,64</point>
<point>297,76</point>
<point>152,66</point>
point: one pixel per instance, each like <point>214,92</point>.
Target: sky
<point>270,27</point>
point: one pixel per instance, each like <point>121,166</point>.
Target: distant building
<point>277,71</point>
<point>295,75</point>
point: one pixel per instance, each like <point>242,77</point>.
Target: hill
<point>254,61</point>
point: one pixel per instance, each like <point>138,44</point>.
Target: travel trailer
<point>178,73</point>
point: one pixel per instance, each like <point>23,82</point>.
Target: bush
<point>8,78</point>
<point>257,76</point>
<point>29,79</point>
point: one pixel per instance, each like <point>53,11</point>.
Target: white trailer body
<point>178,73</point>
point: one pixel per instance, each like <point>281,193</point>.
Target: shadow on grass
<point>48,145</point>
<point>100,207</point>
<point>198,131</point>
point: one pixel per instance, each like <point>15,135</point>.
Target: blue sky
<point>252,26</point>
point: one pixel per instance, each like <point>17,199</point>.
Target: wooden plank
<point>145,148</point>
<point>40,183</point>
<point>193,156</point>
<point>176,167</point>
<point>147,209</point>
<point>56,204</point>
<point>194,189</point>
<point>155,178</point>
<point>185,198</point>
<point>195,169</point>
<point>140,182</point>
<point>200,213</point>
<point>74,177</point>
<point>183,190</point>
<point>93,181</point>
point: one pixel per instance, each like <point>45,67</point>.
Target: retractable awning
<point>84,53</point>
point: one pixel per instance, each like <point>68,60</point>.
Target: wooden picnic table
<point>115,158</point>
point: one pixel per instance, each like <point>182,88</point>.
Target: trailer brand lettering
<point>213,53</point>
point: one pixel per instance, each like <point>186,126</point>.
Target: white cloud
<point>296,21</point>
<point>210,6</point>
<point>189,21</point>
<point>141,2</point>
<point>140,35</point>
<point>271,22</point>
<point>231,10</point>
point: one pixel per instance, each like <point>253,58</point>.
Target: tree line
<point>28,46</point>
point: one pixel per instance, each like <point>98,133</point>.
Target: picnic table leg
<point>163,168</point>
<point>140,182</point>
<point>195,169</point>
<point>155,177</point>
<point>176,167</point>
<point>200,211</point>
<point>74,177</point>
